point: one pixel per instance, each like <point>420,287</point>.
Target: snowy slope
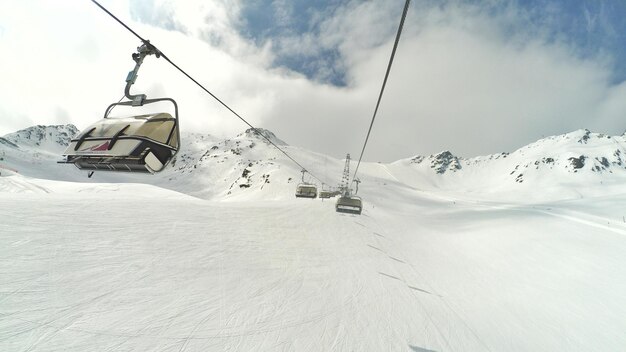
<point>245,167</point>
<point>572,165</point>
<point>51,139</point>
<point>568,166</point>
<point>466,259</point>
<point>35,150</point>
<point>206,166</point>
<point>105,267</point>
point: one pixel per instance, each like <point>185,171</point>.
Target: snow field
<point>134,267</point>
<point>166,275</point>
<point>468,260</point>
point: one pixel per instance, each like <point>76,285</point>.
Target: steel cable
<point>147,42</point>
<point>380,96</point>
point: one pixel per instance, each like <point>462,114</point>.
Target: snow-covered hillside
<point>109,267</point>
<point>34,151</point>
<point>215,253</point>
<point>572,165</point>
<point>52,139</point>
<point>573,152</point>
<point>206,166</point>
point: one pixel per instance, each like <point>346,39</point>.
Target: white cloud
<point>462,79</point>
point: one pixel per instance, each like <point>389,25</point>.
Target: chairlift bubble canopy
<point>141,143</point>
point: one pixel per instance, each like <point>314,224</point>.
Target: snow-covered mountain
<point>215,168</point>
<point>206,166</point>
<point>576,151</point>
<point>450,253</point>
<point>566,166</point>
<point>53,139</point>
<point>33,151</point>
<point>266,135</point>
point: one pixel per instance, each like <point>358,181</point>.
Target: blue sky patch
<point>282,20</point>
<point>591,27</point>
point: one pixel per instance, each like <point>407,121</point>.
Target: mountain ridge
<point>246,165</point>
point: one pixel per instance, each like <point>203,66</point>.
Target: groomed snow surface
<point>129,267</point>
<point>216,254</point>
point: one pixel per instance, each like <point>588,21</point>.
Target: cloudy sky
<point>473,77</point>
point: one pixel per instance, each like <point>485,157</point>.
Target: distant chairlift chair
<point>349,204</point>
<point>141,143</point>
<point>326,194</point>
<point>305,189</point>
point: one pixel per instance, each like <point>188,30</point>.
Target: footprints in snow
<point>391,276</point>
<point>376,248</point>
<point>419,289</point>
<point>409,286</point>
<point>397,260</point>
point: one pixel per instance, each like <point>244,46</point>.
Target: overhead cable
<point>382,89</point>
<point>147,42</point>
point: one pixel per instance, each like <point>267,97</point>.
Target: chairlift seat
<point>305,190</point>
<point>144,143</point>
<point>326,194</point>
<point>349,204</point>
<point>329,194</point>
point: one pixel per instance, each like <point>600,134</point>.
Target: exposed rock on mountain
<point>216,168</point>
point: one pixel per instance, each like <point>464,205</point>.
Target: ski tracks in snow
<point>201,276</point>
<point>429,301</point>
<point>554,210</point>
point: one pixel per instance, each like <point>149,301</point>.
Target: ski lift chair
<point>349,204</point>
<point>141,143</point>
<point>305,190</point>
<point>326,194</point>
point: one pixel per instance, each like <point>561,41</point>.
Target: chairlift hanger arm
<point>357,181</point>
<point>160,53</point>
<point>303,172</point>
<point>142,51</point>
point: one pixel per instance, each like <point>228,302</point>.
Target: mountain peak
<point>52,137</point>
<point>445,161</point>
<point>252,134</point>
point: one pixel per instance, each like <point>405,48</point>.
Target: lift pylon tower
<point>345,179</point>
